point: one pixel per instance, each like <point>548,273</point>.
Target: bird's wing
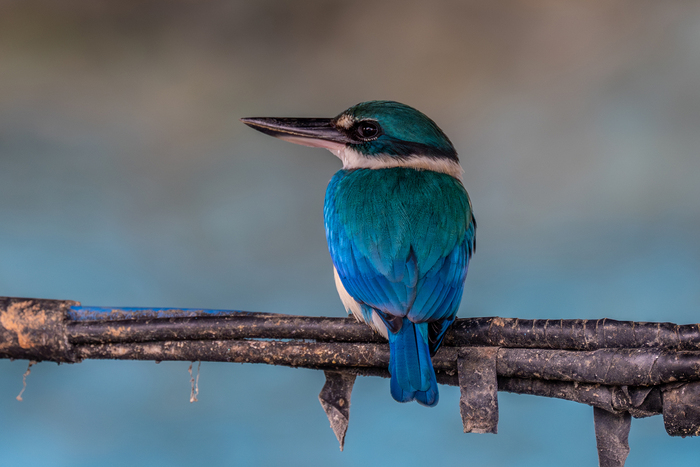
<point>400,240</point>
<point>447,308</point>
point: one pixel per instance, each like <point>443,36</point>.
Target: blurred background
<point>126,179</point>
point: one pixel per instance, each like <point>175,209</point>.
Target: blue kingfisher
<point>399,226</point>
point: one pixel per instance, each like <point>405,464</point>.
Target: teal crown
<point>394,129</point>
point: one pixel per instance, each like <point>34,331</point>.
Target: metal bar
<point>637,367</point>
<point>596,395</point>
<point>620,367</point>
<point>374,361</point>
<point>295,354</point>
<point>573,334</point>
<point>238,326</point>
<point>113,325</point>
<point>78,312</point>
<point>633,367</point>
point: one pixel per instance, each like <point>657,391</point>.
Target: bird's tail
<point>412,374</point>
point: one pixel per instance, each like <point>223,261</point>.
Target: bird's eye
<point>367,130</point>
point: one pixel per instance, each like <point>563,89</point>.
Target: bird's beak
<point>315,132</point>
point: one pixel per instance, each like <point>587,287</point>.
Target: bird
<point>400,229</point>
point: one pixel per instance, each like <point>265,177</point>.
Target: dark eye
<point>367,130</point>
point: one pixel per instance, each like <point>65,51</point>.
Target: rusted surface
<point>610,398</point>
<point>632,367</point>
<point>294,354</point>
<point>144,325</point>
<point>611,435</point>
<point>478,384</point>
<point>335,400</point>
<point>620,367</point>
<point>572,334</point>
<point>236,326</point>
<point>34,329</point>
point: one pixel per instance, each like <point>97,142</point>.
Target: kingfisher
<point>399,225</point>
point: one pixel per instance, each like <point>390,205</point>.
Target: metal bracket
<point>682,409</point>
<point>478,384</point>
<point>35,329</point>
<point>335,400</point>
<point>611,435</point>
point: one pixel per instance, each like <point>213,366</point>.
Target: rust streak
<point>17,321</point>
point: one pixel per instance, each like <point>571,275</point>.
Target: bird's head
<point>373,134</point>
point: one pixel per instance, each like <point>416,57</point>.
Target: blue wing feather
<point>401,240</point>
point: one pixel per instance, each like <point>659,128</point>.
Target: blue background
<point>126,179</point>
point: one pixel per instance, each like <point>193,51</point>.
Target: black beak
<point>308,131</point>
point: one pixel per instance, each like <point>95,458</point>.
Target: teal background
<point>126,179</point>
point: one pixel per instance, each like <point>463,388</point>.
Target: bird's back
<point>400,239</point>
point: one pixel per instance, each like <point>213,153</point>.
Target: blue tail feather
<point>412,374</point>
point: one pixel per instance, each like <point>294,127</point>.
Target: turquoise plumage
<point>400,240</point>
<point>399,226</point>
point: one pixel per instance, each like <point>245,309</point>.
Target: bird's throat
<point>354,160</point>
